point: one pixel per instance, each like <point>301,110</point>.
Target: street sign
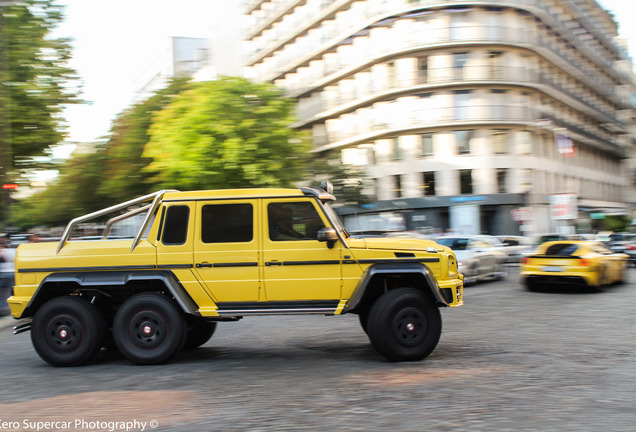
<point>520,214</point>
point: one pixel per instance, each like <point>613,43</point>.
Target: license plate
<point>551,269</point>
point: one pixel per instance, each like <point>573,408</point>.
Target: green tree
<point>224,134</point>
<point>73,194</point>
<point>34,83</point>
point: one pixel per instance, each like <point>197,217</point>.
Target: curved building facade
<point>460,112</point>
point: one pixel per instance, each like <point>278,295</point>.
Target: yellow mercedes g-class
<point>193,259</point>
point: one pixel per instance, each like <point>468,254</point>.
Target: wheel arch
<point>379,278</point>
<point>60,284</point>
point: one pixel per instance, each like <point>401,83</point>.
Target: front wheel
<point>67,331</point>
<point>404,325</point>
<point>149,329</point>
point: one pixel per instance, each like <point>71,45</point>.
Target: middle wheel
<point>149,328</point>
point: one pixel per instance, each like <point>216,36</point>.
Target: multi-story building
<point>460,111</point>
<point>182,56</point>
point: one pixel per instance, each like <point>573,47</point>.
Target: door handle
<point>273,263</point>
<point>200,265</point>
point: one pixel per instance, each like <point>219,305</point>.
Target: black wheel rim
<point>64,333</point>
<point>410,326</point>
<point>147,329</point>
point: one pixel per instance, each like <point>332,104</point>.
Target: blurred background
<point>489,117</point>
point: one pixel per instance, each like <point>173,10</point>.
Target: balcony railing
<point>434,38</point>
<point>429,81</point>
<point>460,116</point>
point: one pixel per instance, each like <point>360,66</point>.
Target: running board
<point>317,307</point>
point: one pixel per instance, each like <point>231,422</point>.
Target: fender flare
<point>397,268</point>
<point>115,278</point>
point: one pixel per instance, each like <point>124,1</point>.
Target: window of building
<point>426,146</point>
<point>397,186</point>
<point>523,140</point>
<point>422,70</point>
<point>390,74</point>
<point>371,159</point>
<point>525,177</point>
<point>461,100</point>
<point>462,141</point>
<point>499,107</point>
<point>466,181</point>
<point>502,175</point>
<point>290,221</point>
<point>428,183</point>
<point>175,229</point>
<point>396,154</point>
<point>499,141</point>
<point>459,63</point>
<point>495,61</point>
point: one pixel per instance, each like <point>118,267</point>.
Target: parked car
<point>572,263</point>
<point>479,256</point>
<point>515,247</point>
<point>623,243</point>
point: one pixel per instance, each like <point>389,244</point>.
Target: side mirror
<point>328,235</point>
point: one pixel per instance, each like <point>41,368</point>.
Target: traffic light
<point>9,186</point>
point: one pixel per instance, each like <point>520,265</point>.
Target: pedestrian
<point>7,269</point>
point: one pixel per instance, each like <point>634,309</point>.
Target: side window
<point>293,221</point>
<point>227,223</point>
<point>175,229</point>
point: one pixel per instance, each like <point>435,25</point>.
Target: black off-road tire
<point>149,328</point>
<point>404,325</point>
<point>67,331</point>
<point>199,333</point>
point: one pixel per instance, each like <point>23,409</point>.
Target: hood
<point>396,243</point>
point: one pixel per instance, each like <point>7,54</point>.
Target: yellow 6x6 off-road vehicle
<point>197,258</point>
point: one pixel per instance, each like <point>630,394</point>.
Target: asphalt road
<point>508,360</point>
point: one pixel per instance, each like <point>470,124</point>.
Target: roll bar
<point>156,197</point>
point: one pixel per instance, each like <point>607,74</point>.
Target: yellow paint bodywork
<point>341,269</point>
<point>591,263</point>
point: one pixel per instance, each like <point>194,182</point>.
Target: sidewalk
<point>7,322</point>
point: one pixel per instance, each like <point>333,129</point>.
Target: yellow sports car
<point>580,263</point>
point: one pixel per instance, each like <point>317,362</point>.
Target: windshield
<point>333,217</point>
<point>453,243</point>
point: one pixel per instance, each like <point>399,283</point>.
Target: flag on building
<point>565,146</point>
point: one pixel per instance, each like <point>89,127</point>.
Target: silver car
<point>480,256</point>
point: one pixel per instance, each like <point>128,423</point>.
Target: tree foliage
<point>224,134</point>
<point>34,87</point>
<point>73,194</point>
<point>39,80</point>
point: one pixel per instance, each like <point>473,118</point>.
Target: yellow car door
<point>298,267</point>
<point>226,249</point>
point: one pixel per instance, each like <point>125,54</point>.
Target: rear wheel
<point>67,331</point>
<point>149,329</point>
<point>404,325</point>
